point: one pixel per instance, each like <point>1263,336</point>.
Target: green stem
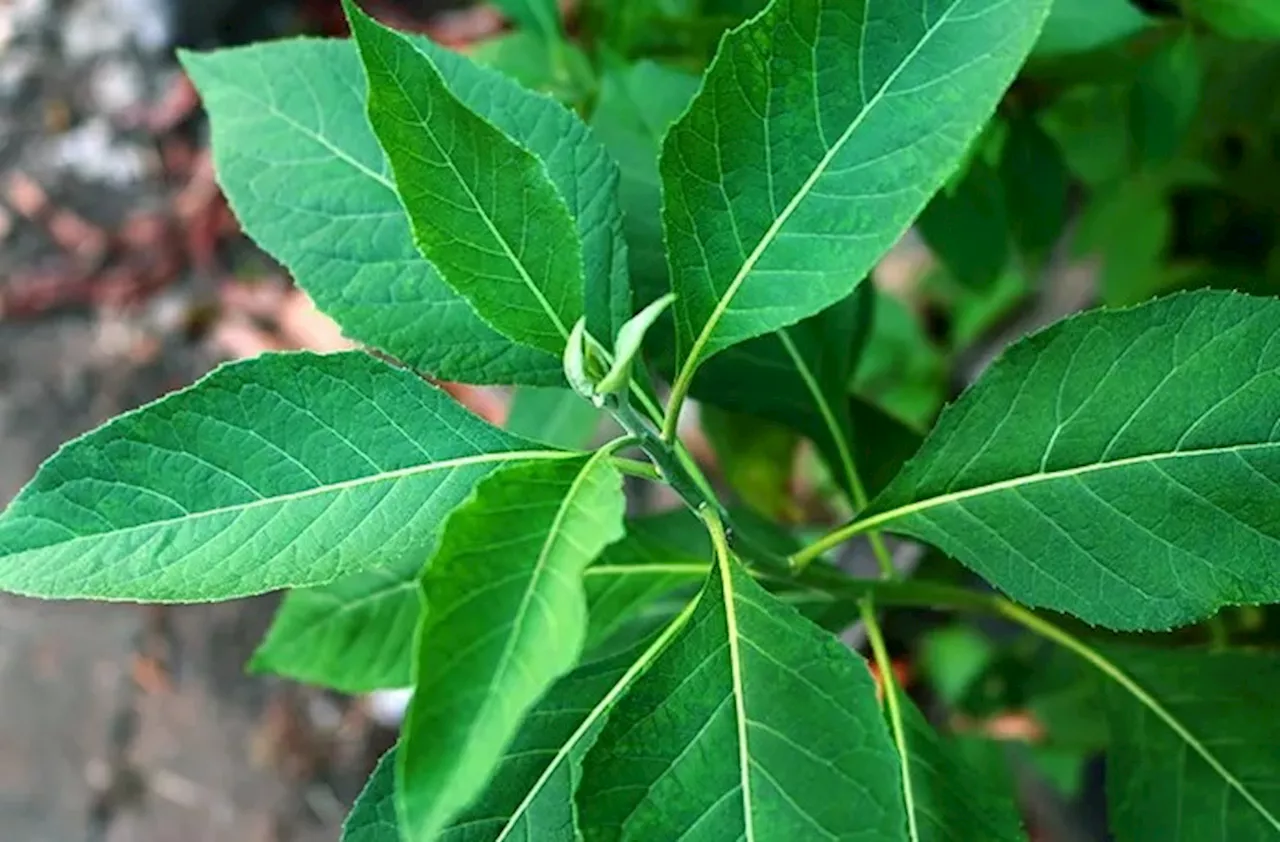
<point>883,557</point>
<point>691,487</point>
<point>663,457</point>
<point>847,463</point>
<point>835,538</point>
<point>719,537</point>
<point>875,637</point>
<point>899,592</point>
<point>637,468</point>
<point>679,391</point>
<point>654,411</point>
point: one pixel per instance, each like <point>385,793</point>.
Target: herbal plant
<point>580,673</point>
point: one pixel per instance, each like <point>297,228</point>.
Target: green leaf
<point>1076,26</point>
<point>581,363</point>
<point>531,794</point>
<point>308,181</point>
<point>554,67</point>
<point>1250,20</point>
<point>966,227</point>
<point>473,196</point>
<point>780,195</point>
<point>753,723</point>
<point>540,16</point>
<point>881,445</point>
<point>949,800</point>
<point>354,635</point>
<point>798,377</point>
<point>506,617</point>
<point>284,471</point>
<point>373,817</point>
<point>626,346</point>
<point>637,105</point>
<point>1036,187</point>
<point>1165,99</point>
<point>1194,759</point>
<point>1130,227</point>
<point>557,416</point>
<point>1122,466</point>
<point>660,554</point>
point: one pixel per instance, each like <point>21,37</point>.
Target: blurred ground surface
<point>132,724</point>
<point>117,722</point>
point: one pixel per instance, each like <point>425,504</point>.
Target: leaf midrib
<point>771,233</point>
<point>492,696</point>
<point>1211,760</point>
<point>597,711</point>
<point>887,517</point>
<point>834,429</point>
<point>738,689</point>
<point>293,496</point>
<point>540,568</point>
<point>1134,688</point>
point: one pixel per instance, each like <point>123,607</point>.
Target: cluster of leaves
<point>579,673</point>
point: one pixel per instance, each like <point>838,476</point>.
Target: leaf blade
<point>353,635</point>
<point>581,701</point>
<point>728,285</point>
<point>482,665</point>
<point>288,470</point>
<point>674,727</point>
<point>559,417</point>
<point>309,183</point>
<point>950,802</point>
<point>448,163</point>
<point>636,106</point>
<point>1086,435</point>
<point>524,797</point>
<point>373,816</point>
<point>356,634</point>
<point>1197,713</point>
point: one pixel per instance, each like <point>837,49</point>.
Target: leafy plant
<point>582,673</point>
